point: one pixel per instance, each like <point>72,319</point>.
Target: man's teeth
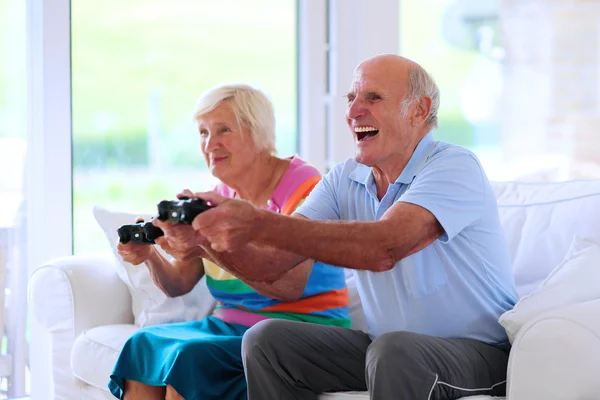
<point>365,129</point>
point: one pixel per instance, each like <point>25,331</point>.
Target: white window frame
<point>49,183</point>
<point>335,36</point>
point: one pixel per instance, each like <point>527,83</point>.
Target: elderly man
<point>417,222</point>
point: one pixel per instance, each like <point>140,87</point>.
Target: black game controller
<point>182,211</point>
<point>141,232</point>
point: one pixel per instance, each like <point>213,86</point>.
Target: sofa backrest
<point>540,221</point>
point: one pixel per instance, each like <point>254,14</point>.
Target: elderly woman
<point>202,359</point>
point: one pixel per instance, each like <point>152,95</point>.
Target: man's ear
<point>421,112</point>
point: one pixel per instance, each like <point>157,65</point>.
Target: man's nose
<point>356,109</point>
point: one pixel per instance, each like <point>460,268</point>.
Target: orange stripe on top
<point>319,302</point>
<point>300,193</point>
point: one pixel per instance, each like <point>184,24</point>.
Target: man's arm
<point>277,243</point>
<point>448,196</point>
<point>376,246</point>
<point>271,271</point>
<point>188,246</point>
<point>288,287</point>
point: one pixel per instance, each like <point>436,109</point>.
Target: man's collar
<point>417,160</point>
<point>363,173</point>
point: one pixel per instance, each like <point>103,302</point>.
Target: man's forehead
<point>368,83</point>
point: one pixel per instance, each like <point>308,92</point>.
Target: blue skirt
<point>200,359</point>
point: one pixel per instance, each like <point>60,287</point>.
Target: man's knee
<point>262,337</point>
<point>392,349</point>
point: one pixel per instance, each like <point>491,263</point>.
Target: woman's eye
<point>203,133</point>
<point>226,129</point>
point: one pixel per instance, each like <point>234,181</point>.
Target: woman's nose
<point>210,143</point>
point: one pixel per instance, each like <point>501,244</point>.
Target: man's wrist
<point>262,224</point>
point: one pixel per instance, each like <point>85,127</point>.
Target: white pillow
<point>150,305</point>
<point>576,279</point>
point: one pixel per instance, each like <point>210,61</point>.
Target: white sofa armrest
<point>557,355</point>
<point>67,296</point>
<point>78,293</point>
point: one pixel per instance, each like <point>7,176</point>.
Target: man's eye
<point>350,99</point>
<point>203,133</point>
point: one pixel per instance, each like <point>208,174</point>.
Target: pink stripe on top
<point>298,172</point>
<point>235,316</point>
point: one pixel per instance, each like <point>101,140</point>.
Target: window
<point>456,43</point>
<point>519,82</point>
<point>138,67</point>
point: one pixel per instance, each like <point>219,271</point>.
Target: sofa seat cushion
<point>95,353</point>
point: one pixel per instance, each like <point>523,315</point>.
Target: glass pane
<point>138,67</point>
<point>13,239</point>
<point>519,81</point>
<point>460,51</point>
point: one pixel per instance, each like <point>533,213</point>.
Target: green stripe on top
<point>228,285</point>
<point>315,319</point>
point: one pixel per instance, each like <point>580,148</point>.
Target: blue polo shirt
<point>458,286</point>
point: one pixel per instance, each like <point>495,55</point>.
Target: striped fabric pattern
<point>325,298</point>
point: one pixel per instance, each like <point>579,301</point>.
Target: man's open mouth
<point>365,132</point>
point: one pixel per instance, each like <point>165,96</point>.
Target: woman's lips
<point>217,160</point>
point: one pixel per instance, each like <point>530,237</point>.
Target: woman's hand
<point>134,253</point>
<point>180,241</point>
<point>228,226</point>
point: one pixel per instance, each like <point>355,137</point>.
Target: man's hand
<point>228,226</point>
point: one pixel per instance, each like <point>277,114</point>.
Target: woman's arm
<point>177,278</point>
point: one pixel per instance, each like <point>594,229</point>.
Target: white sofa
<point>87,310</point>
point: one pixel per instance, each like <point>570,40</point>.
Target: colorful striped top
<point>325,298</point>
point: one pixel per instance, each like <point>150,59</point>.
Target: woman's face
<point>228,152</point>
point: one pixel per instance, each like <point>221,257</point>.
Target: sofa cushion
<point>95,353</point>
<point>575,280</point>
<point>150,305</point>
<point>540,221</point>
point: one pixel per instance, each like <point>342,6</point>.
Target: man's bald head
<point>405,75</point>
<point>393,63</point>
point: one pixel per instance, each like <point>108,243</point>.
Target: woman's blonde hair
<point>250,106</point>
